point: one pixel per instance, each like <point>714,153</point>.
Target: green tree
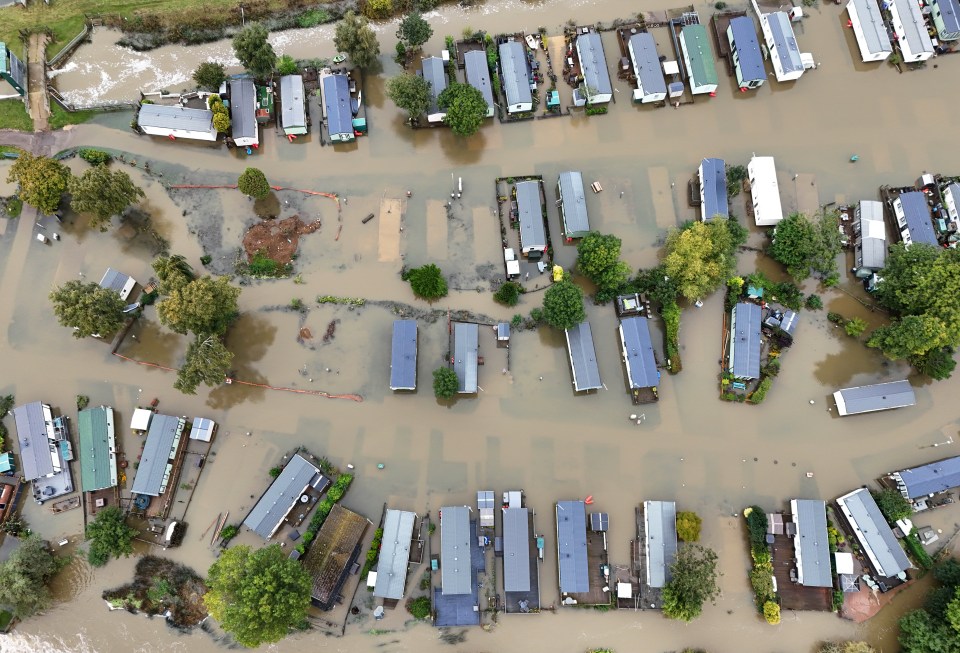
<point>257,596</point>
<point>688,526</point>
<point>221,122</point>
<point>414,31</point>
<point>42,180</point>
<point>658,284</point>
<point>87,308</point>
<point>892,504</point>
<point>938,363</point>
<point>427,282</point>
<point>419,607</point>
<point>254,183</point>
<point>920,632</point>
<point>598,259</point>
<point>445,383</point>
<point>254,51</point>
<point>700,257</point>
<point>563,305</point>
<point>911,335</point>
<point>207,361</point>
<point>736,175</point>
<point>103,193</point>
<point>109,535</point>
<point>509,293</point>
<point>205,306</point>
<point>286,65</point>
<point>803,245</point>
<point>693,583</point>
<point>855,327</point>
<point>209,75</point>
<point>173,272</point>
<point>24,577</point>
<point>355,37</point>
<point>378,9</point>
<point>409,92</point>
<point>465,108</point>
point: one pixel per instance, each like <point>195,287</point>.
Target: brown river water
<point>525,429</point>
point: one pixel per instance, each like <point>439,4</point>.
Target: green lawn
<point>59,117</point>
<point>13,115</point>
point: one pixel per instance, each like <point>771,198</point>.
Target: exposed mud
<point>277,239</point>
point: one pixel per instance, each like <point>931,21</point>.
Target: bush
<point>516,320</point>
<point>671,321</point>
<point>916,550</point>
<point>286,65</point>
<point>760,393</point>
<point>378,8</point>
<point>229,532</point>
<point>427,282</point>
<point>95,157</point>
<point>536,315</point>
<point>813,303</point>
<point>445,383</point>
<point>221,122</point>
<point>206,259</point>
<point>771,612</point>
<point>419,607</point>
<point>275,471</point>
<point>855,327</point>
<point>509,293</point>
<point>82,401</point>
<point>736,175</point>
<point>787,294</point>
<point>761,580</point>
<point>688,526</point>
<point>312,18</point>
<point>757,527</point>
<point>836,318</point>
<point>262,266</point>
<point>892,504</point>
<point>253,183</point>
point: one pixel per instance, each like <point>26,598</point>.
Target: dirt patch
<point>331,331</point>
<point>305,333</point>
<point>277,240</point>
<point>161,585</point>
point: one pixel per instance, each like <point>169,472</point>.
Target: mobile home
<point>764,191</point>
<point>713,190</point>
<point>747,58</point>
<point>478,76</point>
<point>869,30</point>
<point>651,86</point>
<point>782,45</point>
<point>946,18</point>
<point>243,113</point>
<point>516,77</point>
<point>336,108</point>
<point>698,59</point>
<point>573,205</point>
<point>593,65</point>
<point>293,109</point>
<point>176,122</point>
<point>907,20</point>
<point>435,75</point>
<point>870,246</point>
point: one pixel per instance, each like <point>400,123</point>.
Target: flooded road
<point>521,431</point>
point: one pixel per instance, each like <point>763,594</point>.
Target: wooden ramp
<point>391,210</point>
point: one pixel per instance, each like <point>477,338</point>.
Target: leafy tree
<point>208,361</point>
<point>257,596</point>
<point>221,122</point>
<point>254,183</point>
<point>920,632</point>
<point>209,75</point>
<point>801,244</point>
<point>911,335</point>
<point>855,327</point>
<point>42,180</point>
<point>509,293</point>
<point>24,577</point>
<point>109,535</point>
<point>286,65</point>
<point>254,51</point>
<point>103,193</point>
<point>563,305</point>
<point>736,175</point>
<point>465,108</point>
<point>414,31</point>
<point>419,607</point>
<point>205,306</point>
<point>892,504</point>
<point>688,526</point>
<point>409,92</point>
<point>173,272</point>
<point>813,302</point>
<point>445,383</point>
<point>87,308</point>
<point>427,282</point>
<point>700,257</point>
<point>658,284</point>
<point>938,363</point>
<point>354,36</point>
<point>693,583</point>
<point>598,259</point>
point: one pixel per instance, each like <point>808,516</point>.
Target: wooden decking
<point>596,560</point>
<point>720,24</point>
<point>794,596</point>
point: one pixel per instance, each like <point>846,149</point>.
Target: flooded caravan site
<point>525,429</point>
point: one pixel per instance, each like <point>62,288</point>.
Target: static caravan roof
<point>436,76</point>
<point>745,341</point>
<point>163,438</point>
<point>38,454</point>
<point>811,547</point>
<point>403,356</point>
<point>294,114</point>
<point>282,495</point>
<point>916,213</point>
<point>765,191</point>
<point>516,550</point>
<point>478,75</point>
<point>950,15</point>
<point>573,204</point>
<point>697,46</point>
<point>583,358</point>
<point>870,398</point>
<point>868,23</point>
<point>516,79</point>
<point>660,540</point>
<point>785,41</point>
<point>533,233</point>
<point>593,64</point>
<point>638,353</point>
<point>243,109</point>
<point>455,564</point>
<point>932,478</point>
<point>713,181</point>
<point>871,244</point>
<point>466,346</point>
<point>871,529</point>
<point>572,547</point>
<point>119,282</point>
<point>97,449</point>
<point>159,119</point>
<point>336,99</point>
<point>646,63</point>
<point>394,554</point>
<point>747,47</point>
<point>910,27</point>
<point>202,429</point>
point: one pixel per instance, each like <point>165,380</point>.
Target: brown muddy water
<point>525,429</point>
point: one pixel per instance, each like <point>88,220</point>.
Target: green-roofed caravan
<point>98,449</point>
<point>698,59</point>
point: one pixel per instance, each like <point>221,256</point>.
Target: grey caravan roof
<point>871,24</point>
<point>281,496</point>
<point>243,105</point>
<point>748,48</point>
<point>917,215</point>
<point>336,97</point>
<point>870,398</point>
<point>660,540</point>
<point>914,30</point>
<point>394,554</point>
<point>478,74</point>
<point>638,353</point>
<point>516,79</point>
<point>455,550</point>
<point>403,356</point>
<point>114,280</point>
<point>646,63</point>
<point>436,76</point>
<point>950,14</point>
<point>583,358</point>
<point>291,96</point>
<point>783,37</point>
<point>575,219</point>
<point>746,341</point>
<point>593,64</point>
<point>532,231</point>
<point>36,450</point>
<point>162,439</point>
<point>516,550</point>
<point>811,540</point>
<point>871,244</point>
<point>931,478</point>
<point>466,337</point>
<point>713,177</point>
<point>572,547</point>
<point>874,533</point>
<point>162,116</point>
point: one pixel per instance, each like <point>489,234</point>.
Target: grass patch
<point>60,117</point>
<point>5,618</point>
<point>13,115</point>
<point>14,207</point>
<point>313,17</point>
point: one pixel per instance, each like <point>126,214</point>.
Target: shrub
<point>275,471</point>
<point>761,580</point>
<point>445,383</point>
<point>688,526</point>
<point>95,157</point>
<point>788,294</point>
<point>262,266</point>
<point>509,293</point>
<point>254,183</point>
<point>312,18</point>
<point>757,527</point>
<point>427,282</point>
<point>855,327</point>
<point>516,320</point>
<point>771,612</point>
<point>736,175</point>
<point>419,607</point>
<point>221,122</point>
<point>916,550</point>
<point>286,65</point>
<point>82,401</point>
<point>229,532</point>
<point>670,313</point>
<point>814,303</point>
<point>892,504</point>
<point>378,8</point>
<point>536,315</point>
<point>836,318</point>
<point>772,368</point>
<point>760,393</point>
<point>206,259</point>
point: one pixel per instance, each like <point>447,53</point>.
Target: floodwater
<point>525,429</point>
